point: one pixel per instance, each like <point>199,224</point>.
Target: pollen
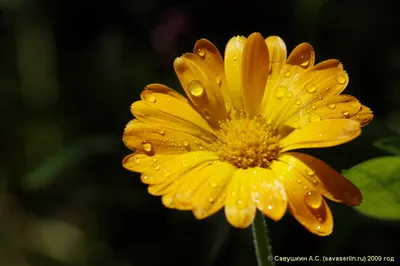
<point>247,142</point>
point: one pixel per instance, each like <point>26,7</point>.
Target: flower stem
<point>261,241</point>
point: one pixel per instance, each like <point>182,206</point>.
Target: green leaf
<point>390,145</point>
<point>379,181</point>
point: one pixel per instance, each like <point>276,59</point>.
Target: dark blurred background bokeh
<point>69,71</point>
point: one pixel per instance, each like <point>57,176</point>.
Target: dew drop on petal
<point>354,104</point>
<point>210,199</point>
<point>346,114</point>
<point>313,199</point>
<point>147,146</point>
<point>145,177</point>
<point>234,65</point>
<point>269,207</point>
<point>161,131</point>
<point>298,102</point>
<point>166,173</point>
<point>310,172</point>
<point>289,94</point>
<point>156,167</point>
<point>196,88</point>
<point>311,88</point>
<point>280,92</point>
<point>299,180</point>
<point>314,118</point>
<point>149,97</point>
<point>305,187</point>
<point>235,58</point>
<point>340,79</point>
<point>287,73</point>
<point>154,159</point>
<point>213,184</point>
<point>218,79</point>
<point>201,53</point>
<point>313,107</point>
<point>185,143</point>
<point>305,61</point>
<point>331,106</point>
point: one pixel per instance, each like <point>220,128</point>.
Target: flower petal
<point>277,55</point>
<point>201,87</point>
<point>152,140</point>
<point>255,69</point>
<point>325,179</point>
<point>336,107</point>
<point>214,61</point>
<point>210,196</point>
<point>165,111</point>
<point>267,192</point>
<point>326,133</point>
<point>240,209</point>
<point>305,203</point>
<point>233,70</point>
<point>303,55</point>
<point>298,89</point>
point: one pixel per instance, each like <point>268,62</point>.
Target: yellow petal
<point>336,107</point>
<point>255,69</point>
<point>201,87</point>
<point>152,140</point>
<point>305,202</point>
<point>214,61</point>
<point>160,168</point>
<point>277,55</point>
<point>165,111</point>
<point>233,70</point>
<point>211,195</point>
<point>240,209</point>
<point>303,55</point>
<point>326,133</point>
<point>364,115</point>
<point>327,64</point>
<point>325,179</point>
<point>160,88</point>
<point>267,192</point>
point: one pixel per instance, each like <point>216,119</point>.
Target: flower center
<point>247,142</point>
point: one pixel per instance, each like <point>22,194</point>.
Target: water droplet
<point>314,118</point>
<point>218,79</point>
<point>280,92</point>
<point>310,88</point>
<point>235,58</point>
<point>269,207</point>
<point>201,53</point>
<point>287,73</point>
<point>145,177</point>
<point>213,184</point>
<point>195,157</point>
<point>161,131</point>
<point>228,107</point>
<point>340,79</point>
<point>314,181</point>
<point>206,113</point>
<point>149,97</point>
<point>313,107</point>
<point>305,187</point>
<point>196,88</point>
<point>313,199</point>
<point>154,159</point>
<point>289,94</point>
<point>346,114</point>
<point>298,102</point>
<point>210,199</point>
<point>166,173</point>
<point>168,99</point>
<point>147,146</point>
<point>185,143</point>
<point>233,193</point>
<point>305,60</point>
<point>310,172</point>
<point>299,181</point>
<point>156,167</point>
<point>331,106</point>
<point>319,97</point>
<point>234,65</point>
<point>239,202</point>
<point>137,160</point>
<point>318,228</point>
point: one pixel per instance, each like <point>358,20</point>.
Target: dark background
<point>69,71</point>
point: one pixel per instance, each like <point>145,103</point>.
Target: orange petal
<point>255,68</point>
<point>210,196</point>
<point>303,55</point>
<point>233,70</point>
<point>201,87</point>
<point>214,61</point>
<point>325,179</point>
<point>305,202</point>
<point>326,133</point>
<point>165,111</point>
<point>152,140</point>
<point>240,209</point>
<point>327,64</point>
<point>267,192</point>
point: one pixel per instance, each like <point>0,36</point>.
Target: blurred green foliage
<point>69,71</point>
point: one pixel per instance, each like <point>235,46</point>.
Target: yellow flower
<point>230,145</point>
